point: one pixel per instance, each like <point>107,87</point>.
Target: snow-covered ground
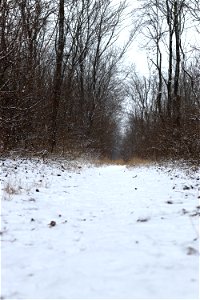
<point>98,232</point>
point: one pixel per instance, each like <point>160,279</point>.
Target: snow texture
<point>90,232</point>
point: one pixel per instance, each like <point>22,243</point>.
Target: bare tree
<point>175,133</point>
<point>90,62</point>
<point>59,74</point>
<point>58,77</point>
<point>21,50</point>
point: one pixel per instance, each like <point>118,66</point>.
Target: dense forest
<point>64,83</point>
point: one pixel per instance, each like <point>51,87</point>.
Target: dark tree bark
<point>170,63</point>
<point>177,30</point>
<point>58,73</point>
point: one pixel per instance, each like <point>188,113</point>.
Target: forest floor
<point>78,230</point>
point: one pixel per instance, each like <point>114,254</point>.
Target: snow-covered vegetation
<point>80,230</point>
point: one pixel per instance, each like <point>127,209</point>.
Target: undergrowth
<point>135,161</point>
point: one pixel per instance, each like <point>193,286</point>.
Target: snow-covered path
<point>119,233</point>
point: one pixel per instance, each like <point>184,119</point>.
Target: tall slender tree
<point>58,75</point>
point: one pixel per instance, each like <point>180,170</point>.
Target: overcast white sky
<point>137,54</point>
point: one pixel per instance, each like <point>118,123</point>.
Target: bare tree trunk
<point>170,66</point>
<point>160,83</point>
<point>58,74</point>
<point>177,25</point>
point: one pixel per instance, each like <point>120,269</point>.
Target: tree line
<point>59,74</point>
<point>165,116</point>
<point>61,83</point>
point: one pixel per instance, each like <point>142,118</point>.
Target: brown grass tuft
<point>11,189</point>
<point>107,161</point>
<point>135,161</point>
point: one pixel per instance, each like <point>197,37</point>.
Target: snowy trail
<point>120,233</point>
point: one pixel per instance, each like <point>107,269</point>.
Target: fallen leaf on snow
<point>191,251</point>
<point>52,224</point>
<point>169,202</point>
<point>143,220</point>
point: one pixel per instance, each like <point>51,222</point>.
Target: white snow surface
<point>120,232</point>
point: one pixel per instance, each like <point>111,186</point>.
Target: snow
<point>120,232</point>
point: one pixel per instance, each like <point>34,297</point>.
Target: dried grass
<point>135,161</point>
<point>106,161</point>
<point>15,186</point>
<point>11,189</point>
